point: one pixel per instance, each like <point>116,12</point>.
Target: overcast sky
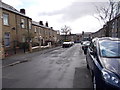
<point>77,14</point>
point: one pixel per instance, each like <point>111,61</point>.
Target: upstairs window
<point>35,29</point>
<point>23,23</point>
<point>30,26</point>
<point>5,19</point>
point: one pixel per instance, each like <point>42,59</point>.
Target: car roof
<point>106,38</point>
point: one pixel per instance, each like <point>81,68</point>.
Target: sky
<point>77,14</point>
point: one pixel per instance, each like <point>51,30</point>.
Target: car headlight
<point>110,77</point>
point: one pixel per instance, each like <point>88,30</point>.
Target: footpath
<point>24,57</point>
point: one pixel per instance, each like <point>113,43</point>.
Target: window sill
<point>6,25</point>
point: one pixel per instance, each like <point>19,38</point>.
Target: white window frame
<point>5,19</point>
<point>22,23</point>
<point>35,29</point>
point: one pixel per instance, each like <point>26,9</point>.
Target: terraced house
<point>18,31</point>
<point>15,25</point>
<point>1,51</point>
<point>113,27</point>
<point>110,29</point>
<point>43,34</point>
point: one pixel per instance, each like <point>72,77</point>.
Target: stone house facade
<point>43,34</point>
<point>71,37</point>
<point>1,53</point>
<point>114,27</point>
<point>17,30</point>
<point>15,25</point>
<point>110,29</point>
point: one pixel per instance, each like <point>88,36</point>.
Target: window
<point>5,19</point>
<point>23,39</point>
<point>7,39</point>
<point>110,48</point>
<point>22,23</point>
<point>30,26</point>
<point>35,29</point>
<point>39,31</point>
<point>113,25</point>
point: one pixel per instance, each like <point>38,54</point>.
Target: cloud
<point>74,11</point>
<point>15,3</point>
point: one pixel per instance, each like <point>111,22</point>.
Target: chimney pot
<point>46,24</point>
<point>22,11</point>
<point>41,22</point>
<point>51,28</point>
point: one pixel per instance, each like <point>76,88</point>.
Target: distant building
<point>71,37</point>
<point>86,35</point>
<point>43,33</point>
<point>114,27</point>
<point>110,29</point>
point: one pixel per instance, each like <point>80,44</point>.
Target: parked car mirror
<point>93,53</point>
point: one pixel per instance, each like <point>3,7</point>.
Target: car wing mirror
<point>91,52</point>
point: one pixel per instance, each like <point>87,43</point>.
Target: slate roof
<point>37,24</point>
<point>10,8</point>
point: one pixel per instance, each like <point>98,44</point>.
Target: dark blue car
<point>103,61</point>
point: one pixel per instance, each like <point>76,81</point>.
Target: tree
<point>66,30</point>
<point>107,12</point>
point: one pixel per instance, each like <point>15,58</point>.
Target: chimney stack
<point>46,24</point>
<point>22,11</point>
<point>41,22</point>
<point>51,28</point>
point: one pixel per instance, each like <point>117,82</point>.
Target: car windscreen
<point>110,48</point>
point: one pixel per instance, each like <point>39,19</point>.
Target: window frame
<point>35,29</point>
<point>23,23</point>
<point>4,21</point>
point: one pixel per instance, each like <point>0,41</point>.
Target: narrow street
<point>61,68</point>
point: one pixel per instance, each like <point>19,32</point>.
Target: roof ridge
<point>12,9</point>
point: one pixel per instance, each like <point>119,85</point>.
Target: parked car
<point>103,61</point>
<point>86,39</point>
<point>85,46</point>
<point>67,44</point>
<point>72,43</point>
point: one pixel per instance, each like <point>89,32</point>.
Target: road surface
<point>61,68</point>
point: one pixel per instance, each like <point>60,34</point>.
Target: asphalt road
<point>61,68</point>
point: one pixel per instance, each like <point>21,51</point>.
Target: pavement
<point>24,57</point>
